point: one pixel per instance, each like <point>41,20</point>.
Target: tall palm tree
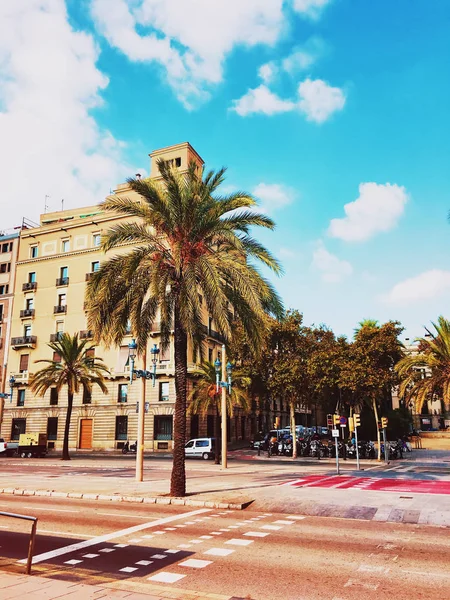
<point>427,372</point>
<point>204,396</point>
<point>185,240</point>
<point>76,368</point>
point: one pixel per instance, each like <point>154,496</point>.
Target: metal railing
<point>32,535</point>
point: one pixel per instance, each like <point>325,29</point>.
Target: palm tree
<point>427,372</point>
<point>204,395</point>
<point>76,368</point>
<point>186,241</point>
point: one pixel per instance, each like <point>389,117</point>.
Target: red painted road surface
<point>421,486</point>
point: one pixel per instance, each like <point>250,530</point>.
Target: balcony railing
<point>213,334</point>
<point>26,340</point>
<point>30,285</point>
<point>27,312</point>
<point>22,376</point>
<point>55,337</point>
<point>86,334</point>
<point>60,309</point>
<point>62,281</point>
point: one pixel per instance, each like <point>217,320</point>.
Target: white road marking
<point>128,569</point>
<point>256,534</point>
<point>4,526</point>
<point>218,552</point>
<point>147,537</point>
<point>107,514</point>
<point>67,533</point>
<point>235,542</point>
<point>166,577</point>
<point>160,532</point>
<point>121,545</point>
<point>195,563</point>
<point>367,586</point>
<point>73,562</point>
<point>185,546</point>
<point>90,555</point>
<point>169,528</point>
<point>372,569</point>
<point>107,550</point>
<point>216,532</point>
<point>52,509</point>
<point>206,537</point>
<point>159,556</point>
<point>195,541</point>
<point>233,527</point>
<point>296,517</point>
<point>223,529</point>
<point>427,573</point>
<point>283,522</point>
<point>171,551</point>
<point>135,540</point>
<point>144,563</point>
<point>110,536</point>
<point>179,526</point>
<point>271,527</point>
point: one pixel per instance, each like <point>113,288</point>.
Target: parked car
<point>200,448</point>
<point>8,448</point>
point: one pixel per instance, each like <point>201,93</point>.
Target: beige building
<point>55,261</point>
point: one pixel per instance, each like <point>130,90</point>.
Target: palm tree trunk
<point>178,478</point>
<point>65,454</point>
<point>218,434</point>
<point>293,432</point>
<point>375,412</point>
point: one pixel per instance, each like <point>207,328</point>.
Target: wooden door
<point>86,434</point>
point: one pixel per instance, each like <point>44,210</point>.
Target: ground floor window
<point>122,427</point>
<point>210,426</point>
<point>163,427</point>
<point>194,426</point>
<point>18,426</point>
<point>52,428</point>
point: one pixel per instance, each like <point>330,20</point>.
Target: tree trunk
<point>293,432</point>
<point>218,433</point>
<point>375,412</point>
<point>178,478</point>
<point>65,454</point>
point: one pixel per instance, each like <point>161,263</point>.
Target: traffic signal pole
<point>357,449</point>
<point>386,449</point>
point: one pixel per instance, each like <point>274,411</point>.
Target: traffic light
<point>384,422</point>
<point>330,420</point>
<point>351,424</point>
<point>357,419</point>
<point>336,419</point>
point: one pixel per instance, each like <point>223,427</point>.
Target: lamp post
<point>141,374</point>
<point>225,385</point>
<point>412,418</point>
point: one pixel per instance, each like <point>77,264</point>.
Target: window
<point>5,247</point>
<point>96,239</point>
<point>65,246</point>
<point>194,426</point>
<point>52,428</point>
<point>21,397</point>
<point>18,427</point>
<point>23,363</point>
<point>164,391</point>
<point>90,353</point>
<point>56,357</point>
<point>95,266</point>
<point>122,428</point>
<point>61,299</point>
<point>87,396</point>
<point>190,444</point>
<point>29,303</point>
<point>1,312</point>
<point>4,289</point>
<point>64,272</point>
<point>210,425</point>
<point>163,427</point>
<point>210,355</point>
<point>123,392</point>
<point>59,326</point>
<point>164,355</point>
<point>5,267</point>
<point>202,443</point>
<point>32,277</point>
<point>33,251</point>
<point>53,397</point>
<point>27,330</point>
<point>209,325</point>
<point>178,162</point>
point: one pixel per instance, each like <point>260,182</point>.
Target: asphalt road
<point>245,554</point>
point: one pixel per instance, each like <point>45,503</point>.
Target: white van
<point>200,448</point>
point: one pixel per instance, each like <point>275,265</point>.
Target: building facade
<point>55,260</point>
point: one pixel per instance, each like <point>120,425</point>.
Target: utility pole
<point>223,391</point>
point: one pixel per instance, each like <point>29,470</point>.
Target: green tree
<point>426,374</point>
<point>185,239</point>
<point>77,368</point>
<point>205,396</point>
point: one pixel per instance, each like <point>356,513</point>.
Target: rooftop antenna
<point>45,203</point>
<point>62,204</point>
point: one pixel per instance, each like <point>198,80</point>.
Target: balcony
<point>28,341</point>
<point>62,281</point>
<point>215,335</point>
<point>21,377</point>
<point>60,309</point>
<point>29,286</point>
<point>87,334</point>
<point>27,312</point>
<point>55,337</point>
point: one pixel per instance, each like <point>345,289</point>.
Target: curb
<point>131,499</point>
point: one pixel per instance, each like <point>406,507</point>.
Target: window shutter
<point>24,358</point>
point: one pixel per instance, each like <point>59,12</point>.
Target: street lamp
<point>412,418</point>
<point>224,383</point>
<point>141,374</point>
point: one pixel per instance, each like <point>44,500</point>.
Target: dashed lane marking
<point>284,522</point>
<point>110,536</point>
<point>271,527</point>
<point>166,577</point>
<point>73,562</point>
<point>159,556</point>
<point>144,563</point>
<point>218,552</point>
<point>195,563</point>
<point>236,542</point>
<point>256,534</point>
<point>128,569</point>
<point>90,555</point>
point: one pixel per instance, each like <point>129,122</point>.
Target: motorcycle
<point>129,447</point>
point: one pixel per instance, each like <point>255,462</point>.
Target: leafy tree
<point>185,239</point>
<point>204,395</point>
<point>77,368</point>
<point>426,374</point>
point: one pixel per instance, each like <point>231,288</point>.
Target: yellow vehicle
<point>32,445</point>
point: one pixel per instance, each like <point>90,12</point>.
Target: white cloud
<point>50,142</point>
<point>426,286</point>
<point>273,196</point>
<point>286,253</point>
<point>267,72</point>
<point>377,209</point>
<point>318,100</point>
<point>303,57</point>
<point>311,8</point>
<point>332,268</point>
<point>261,100</point>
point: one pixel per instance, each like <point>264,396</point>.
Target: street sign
<point>343,421</point>
<point>335,433</point>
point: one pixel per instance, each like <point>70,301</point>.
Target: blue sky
<point>333,112</point>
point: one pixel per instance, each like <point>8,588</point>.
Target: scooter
<point>129,448</point>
